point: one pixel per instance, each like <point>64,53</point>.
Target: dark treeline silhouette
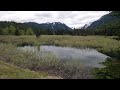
<point>13,28</point>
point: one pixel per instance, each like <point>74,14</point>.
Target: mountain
<point>85,26</point>
<point>30,28</point>
<point>111,17</point>
<point>108,25</point>
<point>52,26</point>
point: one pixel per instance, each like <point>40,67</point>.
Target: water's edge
<point>86,56</point>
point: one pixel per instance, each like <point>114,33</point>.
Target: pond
<point>86,56</point>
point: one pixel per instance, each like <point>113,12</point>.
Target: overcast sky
<point>70,18</point>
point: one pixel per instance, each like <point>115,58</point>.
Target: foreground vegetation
<point>110,71</point>
<point>9,53</point>
<point>49,63</point>
<point>8,71</point>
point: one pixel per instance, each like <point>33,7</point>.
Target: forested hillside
<point>14,28</point>
<point>108,25</point>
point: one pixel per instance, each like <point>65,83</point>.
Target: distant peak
<point>56,22</point>
<point>86,25</point>
<point>50,25</point>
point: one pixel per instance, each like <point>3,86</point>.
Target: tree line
<point>109,29</point>
<point>12,28</point>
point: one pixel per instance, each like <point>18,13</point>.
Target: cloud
<point>70,18</point>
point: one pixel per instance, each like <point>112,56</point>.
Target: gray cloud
<point>71,18</point>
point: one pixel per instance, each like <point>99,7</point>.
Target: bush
<point>110,71</point>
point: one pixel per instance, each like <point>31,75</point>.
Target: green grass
<point>8,71</point>
<point>49,63</point>
<point>101,43</point>
<point>21,64</point>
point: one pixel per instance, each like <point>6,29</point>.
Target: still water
<point>87,56</point>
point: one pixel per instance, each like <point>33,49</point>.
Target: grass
<point>66,69</point>
<point>8,71</point>
<point>101,43</point>
<point>49,63</point>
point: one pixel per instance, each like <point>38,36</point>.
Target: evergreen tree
<point>12,30</point>
<point>20,32</point>
<point>5,31</point>
<point>29,31</point>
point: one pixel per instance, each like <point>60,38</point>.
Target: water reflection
<point>88,57</point>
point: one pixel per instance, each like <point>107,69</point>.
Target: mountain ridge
<point>103,20</point>
<point>49,25</point>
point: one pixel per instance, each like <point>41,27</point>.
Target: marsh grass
<point>19,64</point>
<point>8,71</point>
<point>101,43</point>
<point>50,63</point>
